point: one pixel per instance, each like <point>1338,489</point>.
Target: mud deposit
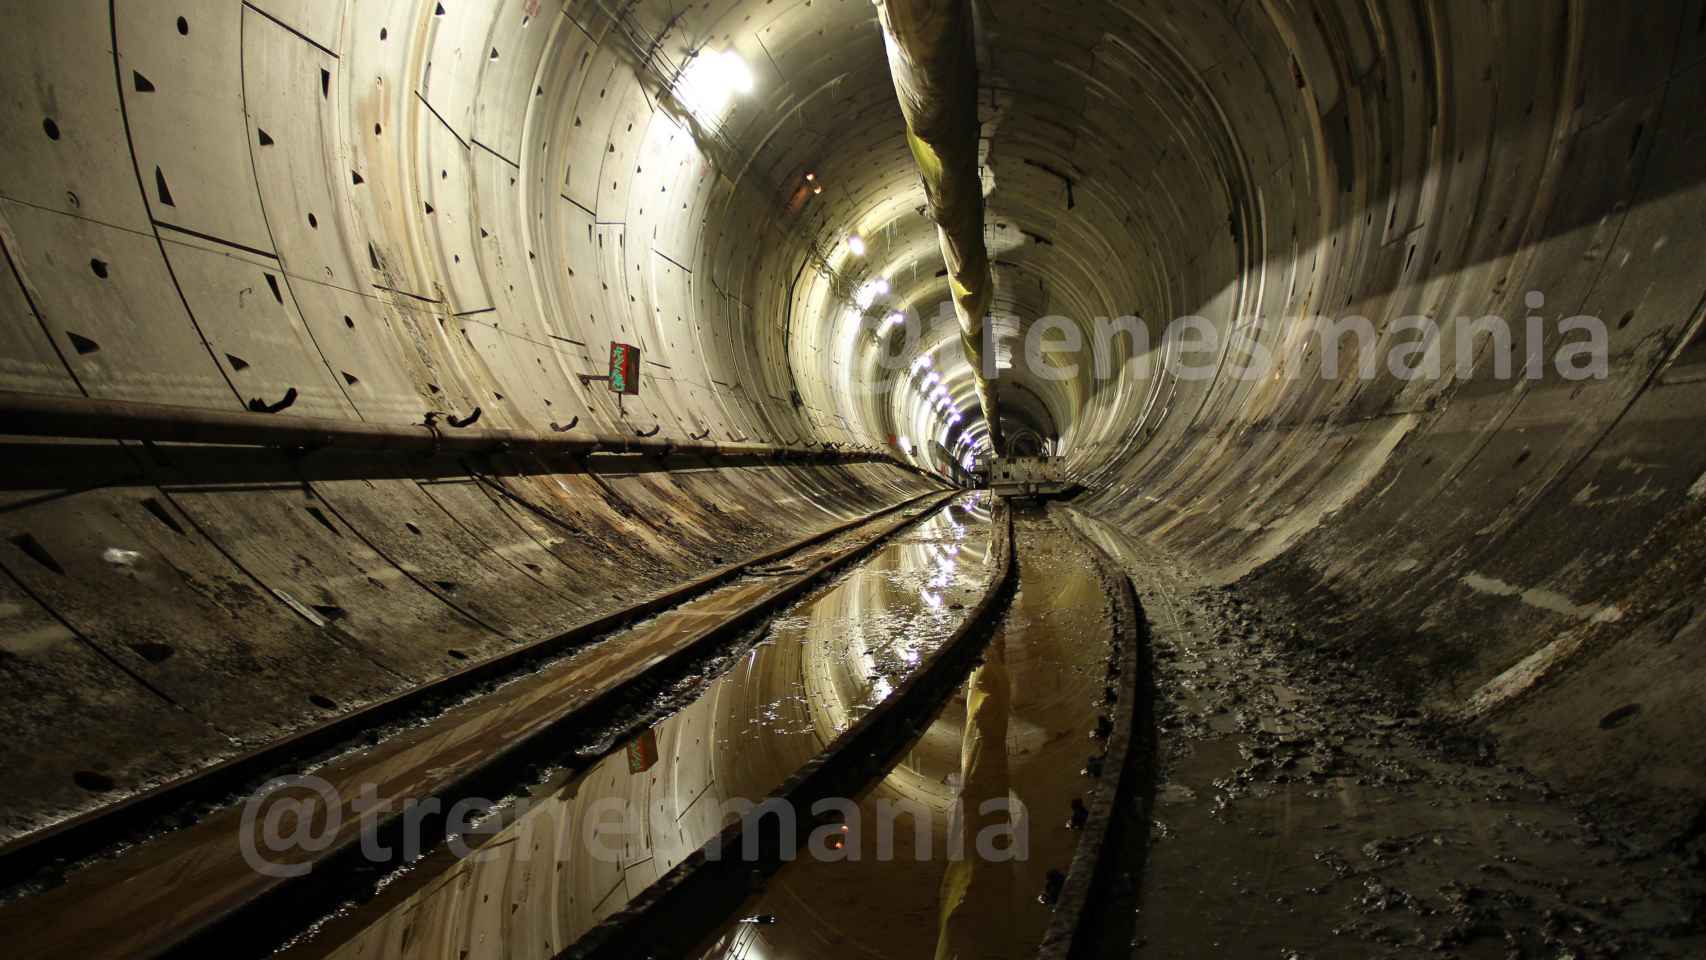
<point>1301,813</point>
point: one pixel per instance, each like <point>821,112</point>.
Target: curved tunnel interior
<point>378,210</point>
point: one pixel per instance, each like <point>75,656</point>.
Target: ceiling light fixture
<point>709,82</point>
<point>868,293</point>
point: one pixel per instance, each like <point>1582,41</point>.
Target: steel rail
<point>707,888</point>
<point>92,832</point>
<point>196,895</point>
<point>1094,913</point>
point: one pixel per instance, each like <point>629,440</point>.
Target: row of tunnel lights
<point>707,85</point>
<point>933,388</point>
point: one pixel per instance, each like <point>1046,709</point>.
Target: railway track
<point>699,894</point>
<point>193,889</point>
<point>200,889</point>
<point>1038,764</point>
<point>1034,668</point>
<point>150,811</point>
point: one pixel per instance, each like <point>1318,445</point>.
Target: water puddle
<point>585,843</point>
<point>950,851</point>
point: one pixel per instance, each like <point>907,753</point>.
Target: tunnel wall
<point>1525,552</point>
<point>390,208</point>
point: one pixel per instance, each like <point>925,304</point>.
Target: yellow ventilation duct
<point>933,58</point>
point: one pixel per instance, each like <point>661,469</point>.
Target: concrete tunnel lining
<point>393,210</point>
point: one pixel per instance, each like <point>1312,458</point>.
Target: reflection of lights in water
<point>881,689</point>
<point>932,599</point>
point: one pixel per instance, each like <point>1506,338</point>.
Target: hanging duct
<point>933,58</point>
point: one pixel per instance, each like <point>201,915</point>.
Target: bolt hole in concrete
<point>35,551</point>
<point>99,267</point>
<point>1619,717</point>
<point>155,508</point>
<point>50,128</point>
<point>457,655</point>
<point>153,652</point>
<point>412,528</point>
<point>322,701</point>
<point>316,513</point>
<point>183,27</point>
<point>92,781</point>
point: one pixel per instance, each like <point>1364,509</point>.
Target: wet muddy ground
<point>589,839</point>
<point>1300,813</point>
<point>1018,733</point>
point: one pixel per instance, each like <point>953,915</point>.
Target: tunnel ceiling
<point>448,206</point>
<point>398,207</point>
